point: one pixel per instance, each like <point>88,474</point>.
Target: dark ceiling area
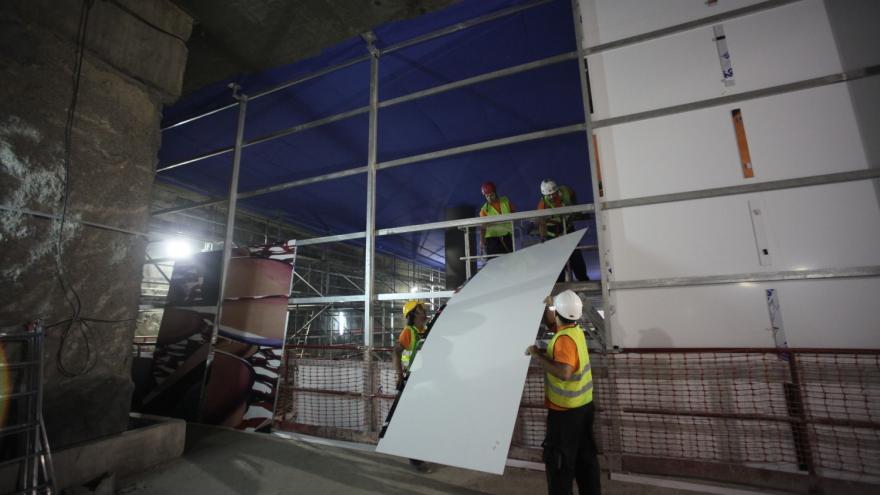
<point>232,37</point>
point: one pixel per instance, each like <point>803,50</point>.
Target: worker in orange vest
<point>555,196</point>
<point>495,238</point>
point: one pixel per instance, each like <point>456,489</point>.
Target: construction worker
<point>408,345</point>
<point>569,445</point>
<point>495,238</point>
<point>554,196</point>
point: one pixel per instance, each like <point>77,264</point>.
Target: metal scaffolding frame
<point>586,126</point>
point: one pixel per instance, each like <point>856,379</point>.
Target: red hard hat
<point>488,188</point>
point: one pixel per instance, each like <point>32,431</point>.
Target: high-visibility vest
<point>577,391</point>
<point>556,222</point>
<point>497,229</point>
<point>416,340</point>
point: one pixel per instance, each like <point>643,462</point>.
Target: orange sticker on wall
<point>742,144</point>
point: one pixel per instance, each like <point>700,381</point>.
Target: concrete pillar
<point>129,70</point>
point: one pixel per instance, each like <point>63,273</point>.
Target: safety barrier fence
<point>783,418</point>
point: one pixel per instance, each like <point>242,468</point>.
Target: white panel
<point>818,313</point>
<point>830,226</point>
<point>774,47</point>
<point>610,20</point>
<point>460,404</point>
<point>809,132</point>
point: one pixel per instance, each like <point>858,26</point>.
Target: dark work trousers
<point>578,267</point>
<point>499,245</point>
<point>570,452</point>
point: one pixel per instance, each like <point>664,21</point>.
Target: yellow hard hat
<point>411,305</point>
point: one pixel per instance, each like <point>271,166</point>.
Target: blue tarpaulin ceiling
<point>536,100</point>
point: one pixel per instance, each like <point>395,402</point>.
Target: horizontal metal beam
<point>478,79</point>
<point>462,26</point>
<point>817,274</point>
<point>470,222</point>
<point>329,238</point>
<point>306,126</point>
<point>738,97</point>
<point>520,138</point>
<point>310,76</point>
<point>687,26</point>
<point>773,185</point>
<point>51,216</point>
<point>405,296</point>
<point>348,63</point>
<point>326,299</point>
<point>303,182</point>
<point>448,224</point>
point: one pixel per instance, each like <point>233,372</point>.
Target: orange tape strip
<point>742,144</point>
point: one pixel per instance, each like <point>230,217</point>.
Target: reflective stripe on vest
<point>565,196</point>
<point>498,229</point>
<point>415,343</point>
<point>577,390</point>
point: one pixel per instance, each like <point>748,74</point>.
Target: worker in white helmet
<point>408,345</point>
<point>555,196</point>
<point>569,445</point>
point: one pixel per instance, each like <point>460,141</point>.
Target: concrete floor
<point>219,461</point>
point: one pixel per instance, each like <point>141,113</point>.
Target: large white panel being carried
<point>778,46</point>
<point>461,401</point>
<point>816,313</point>
<point>697,150</point>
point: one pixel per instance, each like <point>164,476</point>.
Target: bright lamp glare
<point>343,322</point>
<point>414,289</point>
<point>177,249</point>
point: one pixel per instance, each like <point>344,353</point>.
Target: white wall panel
<point>798,134</point>
<point>778,46</point>
<point>829,226</point>
<point>461,402</point>
<point>817,313</point>
<point>610,20</point>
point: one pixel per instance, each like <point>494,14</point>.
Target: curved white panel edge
<point>461,402</point>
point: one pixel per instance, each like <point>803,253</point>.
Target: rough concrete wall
<point>114,143</point>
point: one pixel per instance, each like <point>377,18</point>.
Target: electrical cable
<point>76,303</point>
<point>144,20</point>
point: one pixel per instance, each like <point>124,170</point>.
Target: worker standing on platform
<point>569,446</point>
<point>495,238</point>
<point>408,345</point>
<point>554,196</point>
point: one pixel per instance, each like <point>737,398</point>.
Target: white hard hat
<point>568,305</point>
<point>548,187</point>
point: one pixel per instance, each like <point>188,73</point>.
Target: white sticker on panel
<point>460,403</point>
<point>757,213</point>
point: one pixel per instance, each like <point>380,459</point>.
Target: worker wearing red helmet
<point>495,238</point>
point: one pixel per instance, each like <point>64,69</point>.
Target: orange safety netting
<point>805,411</point>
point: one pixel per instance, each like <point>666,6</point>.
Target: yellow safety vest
<point>553,222</point>
<point>415,343</point>
<point>498,229</point>
<point>578,390</point>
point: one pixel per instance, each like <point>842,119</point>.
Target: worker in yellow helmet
<point>569,445</point>
<point>411,338</point>
<point>408,344</point>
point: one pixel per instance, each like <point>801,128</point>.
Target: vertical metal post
<point>467,253</point>
<point>227,240</point>
<point>613,457</point>
<point>594,174</point>
<point>370,247</point>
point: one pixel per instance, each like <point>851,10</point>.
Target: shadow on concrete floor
<point>219,462</point>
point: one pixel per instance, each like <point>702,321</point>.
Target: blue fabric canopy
<point>544,98</point>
